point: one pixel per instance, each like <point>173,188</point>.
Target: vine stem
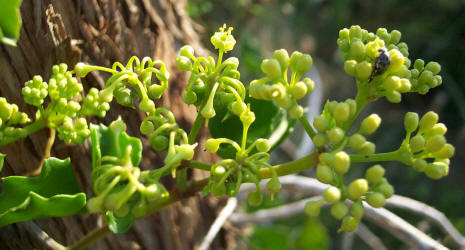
<point>308,128</point>
<point>30,129</point>
<point>48,149</point>
<point>389,156</point>
<point>97,234</point>
<point>195,128</point>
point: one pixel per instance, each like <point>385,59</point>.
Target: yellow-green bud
<point>434,172</point>
<point>324,174</point>
<point>255,198</point>
<point>309,83</point>
<point>428,120</point>
<point>355,32</point>
<point>419,165</point>
<point>335,134</point>
<point>299,90</point>
<point>434,67</point>
<point>263,145</point>
<point>212,145</point>
<point>417,143</point>
<point>386,189</point>
<point>283,58</point>
<point>349,224</point>
<point>393,96</point>
<point>332,194</point>
<point>349,67</point>
<point>447,151</point>
<point>357,49</point>
<point>397,60</point>
<point>363,70</point>
<point>356,141</point>
<point>183,63</point>
<point>374,174</point>
<point>367,148</point>
<point>296,111</point>
<point>392,83</point>
<point>341,162</point>
<point>320,139</point>
<point>312,208</point>
<point>370,124</point>
<point>320,123</point>
<point>339,210</point>
<point>395,37</point>
<point>376,199</point>
<point>271,68</point>
<point>411,121</point>
<point>187,51</point>
<point>341,112</point>
<point>435,143</point>
<point>326,159</point>
<point>357,189</point>
<point>357,210</point>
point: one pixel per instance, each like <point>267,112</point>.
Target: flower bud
<point>183,63</point>
<point>341,162</point>
<point>332,194</point>
<point>320,123</point>
<point>434,67</point>
<point>300,63</point>
<point>147,105</point>
<point>374,174</point>
<point>212,145</point>
<point>435,143</point>
<point>386,189</point>
<point>367,148</point>
<point>326,158</point>
<point>247,117</point>
<point>271,68</point>
<point>393,96</point>
<point>349,224</point>
<point>419,165</point>
<point>312,208</point>
<point>357,210</point>
<point>283,58</point>
<point>417,143</point>
<point>376,199</point>
<point>370,124</point>
<point>309,83</point>
<point>339,210</point>
<point>355,32</point>
<point>395,37</point>
<point>392,83</point>
<point>341,112</point>
<point>146,127</point>
<point>320,139</point>
<point>189,97</point>
<point>296,111</point>
<point>357,189</point>
<point>273,185</point>
<point>350,67</point>
<point>419,65</point>
<point>237,107</point>
<point>255,198</point>
<point>438,129</point>
<point>356,141</point>
<point>335,134</point>
<point>263,145</point>
<point>446,152</point>
<point>299,90</point>
<point>187,51</point>
<point>428,120</point>
<point>357,49</point>
<point>363,70</point>
<point>411,121</point>
<point>324,174</point>
<point>159,142</point>
<point>434,172</point>
<point>397,60</point>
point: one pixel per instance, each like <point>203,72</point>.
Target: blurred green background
<point>433,30</point>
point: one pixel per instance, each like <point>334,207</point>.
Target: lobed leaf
<point>53,193</point>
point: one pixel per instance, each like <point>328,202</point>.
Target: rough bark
<point>101,32</point>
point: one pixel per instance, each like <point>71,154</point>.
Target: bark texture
<point>100,33</point>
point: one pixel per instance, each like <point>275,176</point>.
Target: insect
<point>381,63</point>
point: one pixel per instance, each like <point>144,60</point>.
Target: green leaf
<point>270,123</point>
<point>107,142</point>
<point>2,158</point>
<point>119,225</point>
<point>53,193</point>
<point>10,21</point>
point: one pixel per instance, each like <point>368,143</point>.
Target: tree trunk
<point>100,33</point>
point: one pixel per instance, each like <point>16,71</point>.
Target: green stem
<point>30,129</point>
<point>195,128</point>
<point>389,156</point>
<point>92,237</point>
<point>308,128</point>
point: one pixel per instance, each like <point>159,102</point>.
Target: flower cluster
<point>284,92</point>
<point>10,116</point>
<point>213,84</point>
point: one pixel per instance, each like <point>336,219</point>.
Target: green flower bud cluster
<point>93,105</point>
<point>228,175</point>
<point>136,79</point>
<point>428,150</point>
<point>275,86</point>
<point>35,91</point>
<point>380,64</point>
<point>213,84</point>
<point>424,77</point>
<point>73,131</point>
<point>10,116</point>
<point>122,188</point>
<point>374,189</point>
